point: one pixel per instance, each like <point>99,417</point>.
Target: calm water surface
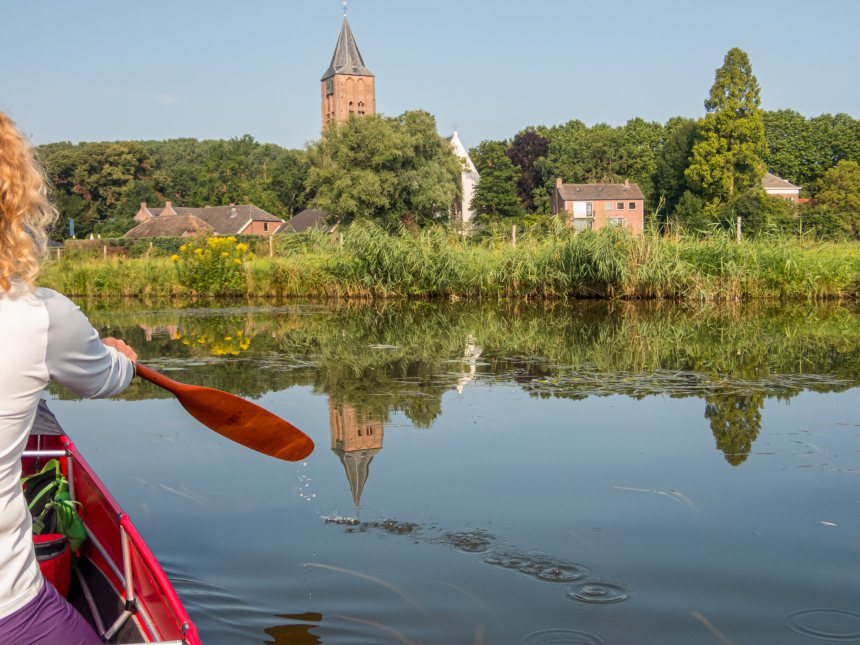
<point>582,473</point>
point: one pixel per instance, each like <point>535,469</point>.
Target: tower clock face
<point>329,86</point>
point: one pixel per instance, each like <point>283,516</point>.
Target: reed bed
<point>549,262</point>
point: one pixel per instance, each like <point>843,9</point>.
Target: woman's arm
<point>77,358</point>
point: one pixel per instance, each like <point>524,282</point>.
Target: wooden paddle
<point>237,419</point>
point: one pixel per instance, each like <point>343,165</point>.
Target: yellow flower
<point>174,257</point>
<point>182,248</point>
<point>198,252</point>
<point>241,247</point>
<point>224,254</point>
<point>236,261</point>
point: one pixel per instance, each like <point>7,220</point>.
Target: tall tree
<point>526,152</point>
<point>727,157</point>
<point>392,170</point>
<point>496,192</point>
<point>839,190</point>
<point>671,163</point>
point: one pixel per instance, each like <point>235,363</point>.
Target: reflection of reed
<point>378,358</point>
<point>355,440</point>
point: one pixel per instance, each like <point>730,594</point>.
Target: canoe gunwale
<point>117,550</point>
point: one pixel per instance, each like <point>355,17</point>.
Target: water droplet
<point>562,572</point>
<point>598,592</point>
<point>825,624</point>
<point>561,637</point>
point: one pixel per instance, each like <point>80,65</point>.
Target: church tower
<point>347,85</point>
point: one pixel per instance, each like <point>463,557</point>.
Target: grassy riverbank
<point>367,262</point>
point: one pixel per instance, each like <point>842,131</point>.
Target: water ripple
<point>561,637</point>
<point>599,592</point>
<point>838,625</point>
<point>537,566</point>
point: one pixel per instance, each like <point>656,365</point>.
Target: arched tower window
<point>361,110</point>
<point>351,108</point>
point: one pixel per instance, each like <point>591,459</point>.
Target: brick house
<point>593,206</point>
<point>779,187</point>
<point>235,219</point>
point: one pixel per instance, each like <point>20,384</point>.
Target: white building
<point>468,179</point>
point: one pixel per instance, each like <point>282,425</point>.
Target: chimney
<point>142,205</point>
<point>167,204</point>
<point>626,184</point>
<point>558,182</point>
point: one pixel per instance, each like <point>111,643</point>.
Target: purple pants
<point>48,619</point>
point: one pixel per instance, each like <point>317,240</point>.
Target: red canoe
<point>117,583</point>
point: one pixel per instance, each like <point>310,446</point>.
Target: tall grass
<point>549,262</point>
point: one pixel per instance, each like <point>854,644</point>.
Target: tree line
<point>695,173</point>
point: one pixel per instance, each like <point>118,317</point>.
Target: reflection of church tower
<point>355,441</point>
<point>347,85</point>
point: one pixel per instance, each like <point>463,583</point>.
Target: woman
<point>43,337</point>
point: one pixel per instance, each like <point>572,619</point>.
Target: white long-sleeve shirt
<point>43,337</point>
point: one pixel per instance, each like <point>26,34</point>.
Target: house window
<point>588,209</point>
<point>265,227</point>
<point>619,206</point>
<point>616,221</point>
<point>632,205</point>
<point>582,224</point>
<point>607,206</point>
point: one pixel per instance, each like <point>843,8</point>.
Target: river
<point>581,472</point>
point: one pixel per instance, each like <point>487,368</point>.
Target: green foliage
<point>669,179</point>
<point>761,214</point>
<point>496,194</point>
<point>602,153</point>
<point>215,266</point>
<point>101,185</point>
<point>727,155</point>
<point>52,506</point>
<point>821,222</point>
<point>839,190</point>
<point>549,261</point>
<point>390,170</point>
<point>528,153</point>
<point>802,150</point>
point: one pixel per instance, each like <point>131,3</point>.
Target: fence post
<point>104,251</point>
<point>739,228</point>
<point>514,235</point>
<point>271,247</point>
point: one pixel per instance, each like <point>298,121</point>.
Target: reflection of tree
<point>402,357</point>
<point>735,421</point>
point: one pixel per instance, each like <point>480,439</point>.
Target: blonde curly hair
<point>25,211</point>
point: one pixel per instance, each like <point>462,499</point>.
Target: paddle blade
<point>245,423</point>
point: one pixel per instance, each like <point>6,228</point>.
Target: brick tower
<point>347,85</point>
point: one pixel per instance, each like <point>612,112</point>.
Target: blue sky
<point>97,70</point>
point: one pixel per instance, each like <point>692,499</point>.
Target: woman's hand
<point>122,347</point>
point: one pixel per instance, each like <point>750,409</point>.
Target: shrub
<point>213,266</point>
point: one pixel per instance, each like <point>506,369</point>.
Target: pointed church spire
<point>357,466</point>
<point>346,58</point>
